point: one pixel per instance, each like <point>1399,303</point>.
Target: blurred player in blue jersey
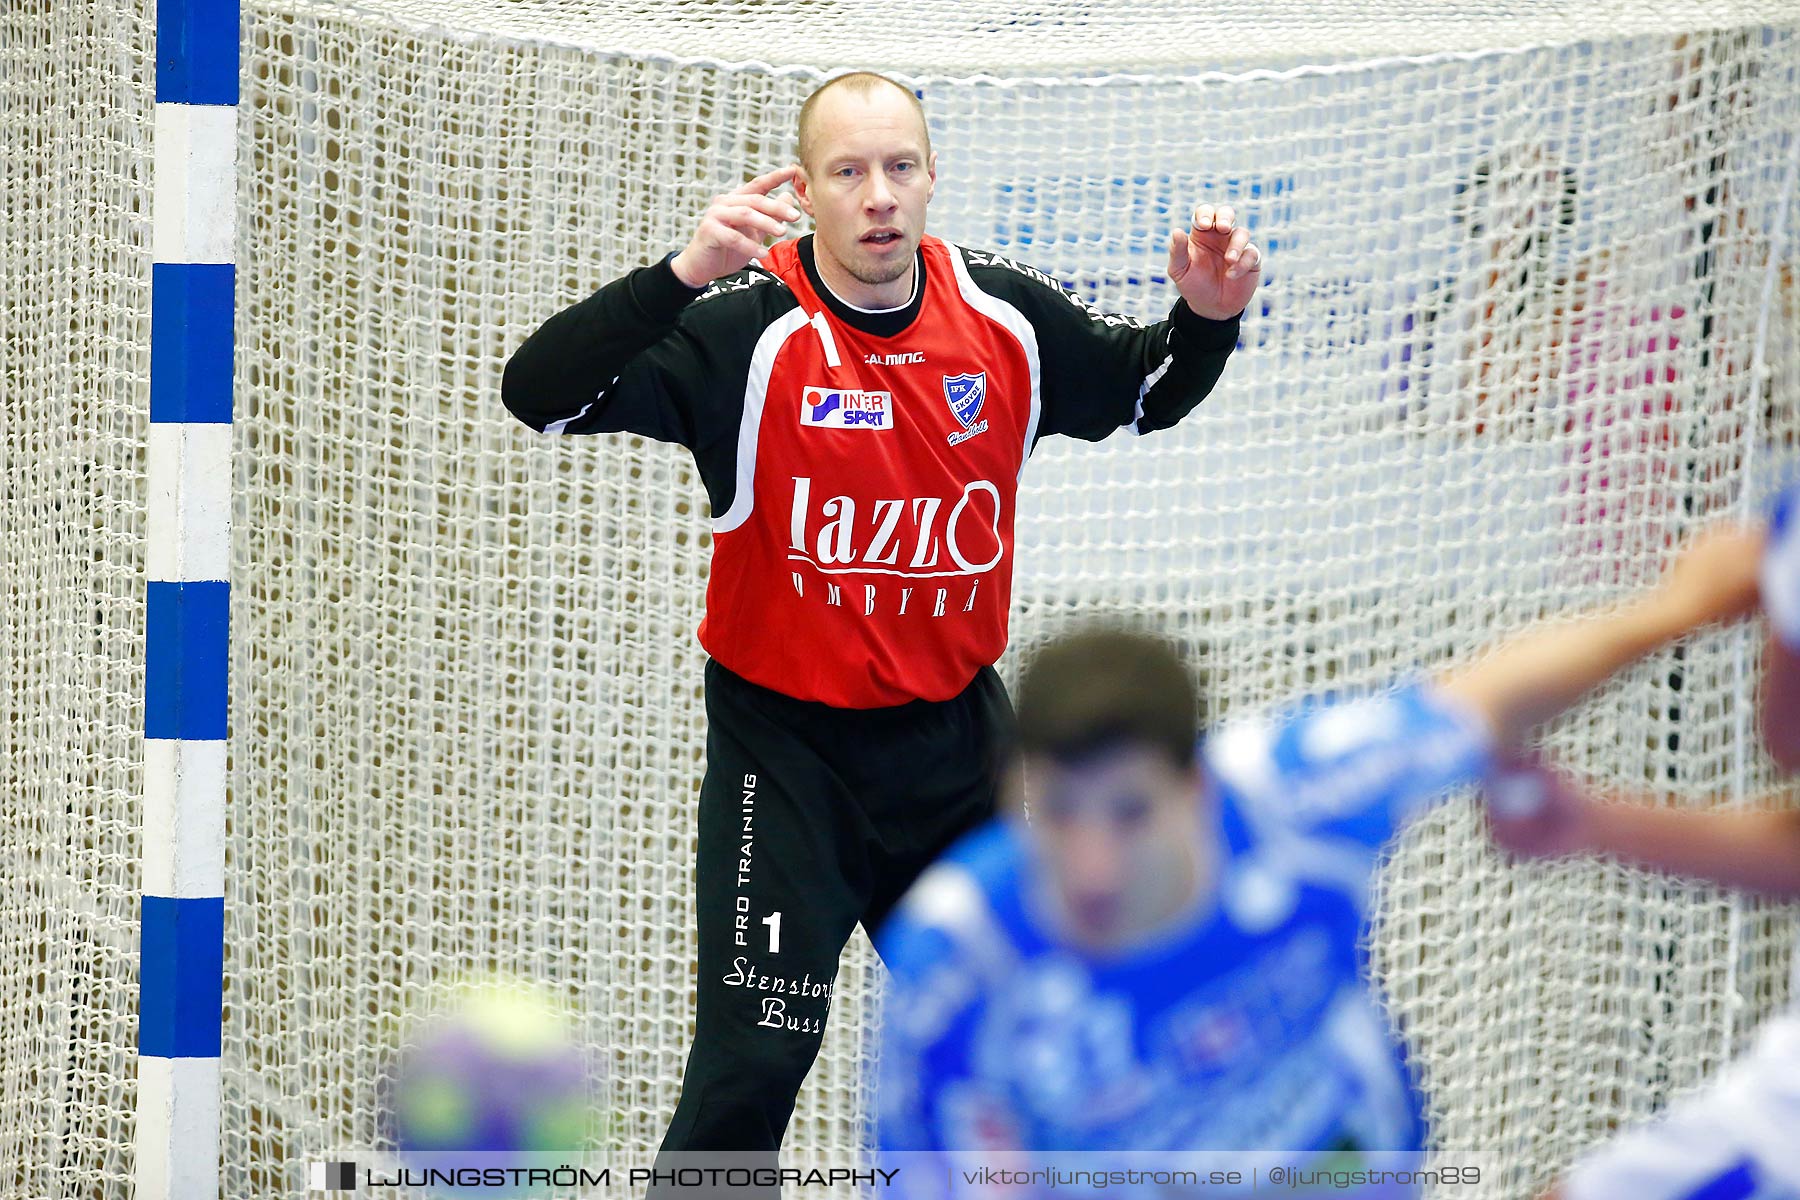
<point>1739,1139</point>
<point>1168,957</point>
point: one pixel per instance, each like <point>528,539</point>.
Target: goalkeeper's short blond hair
<point>856,81</point>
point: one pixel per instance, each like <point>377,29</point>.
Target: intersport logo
<point>842,408</point>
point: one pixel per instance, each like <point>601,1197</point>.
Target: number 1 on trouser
<point>773,921</point>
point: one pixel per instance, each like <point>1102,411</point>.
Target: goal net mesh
<point>1528,318</point>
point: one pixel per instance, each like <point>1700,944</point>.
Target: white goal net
<point>1529,316</point>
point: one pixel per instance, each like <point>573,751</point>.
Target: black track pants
<point>812,818</point>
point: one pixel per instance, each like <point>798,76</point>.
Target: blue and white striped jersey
<point>1246,1025</point>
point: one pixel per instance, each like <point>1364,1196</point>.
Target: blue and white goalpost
<point>188,530</point>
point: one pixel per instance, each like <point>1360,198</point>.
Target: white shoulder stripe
<point>756,393</point>
<point>823,327</point>
<point>1015,323</point>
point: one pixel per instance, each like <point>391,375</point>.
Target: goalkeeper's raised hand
<point>1214,265</point>
<point>736,228</point>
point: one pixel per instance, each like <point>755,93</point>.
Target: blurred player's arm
<point>1357,771</point>
<point>1354,771</point>
<point>1539,673</point>
<point>1554,815</point>
<point>1101,372</point>
<point>1757,850</point>
<point>639,356</point>
<point>1753,851</point>
<point>1779,705</point>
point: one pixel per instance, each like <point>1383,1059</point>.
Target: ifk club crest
<point>965,394</point>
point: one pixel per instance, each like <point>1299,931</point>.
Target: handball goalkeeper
<point>860,404</point>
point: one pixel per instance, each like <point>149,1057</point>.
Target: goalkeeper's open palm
<point>1214,265</point>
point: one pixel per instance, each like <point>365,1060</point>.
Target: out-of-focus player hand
<point>1715,577</point>
<point>1214,265</point>
<point>1779,707</point>
<point>1534,811</point>
<point>736,228</point>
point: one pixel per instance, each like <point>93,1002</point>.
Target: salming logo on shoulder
<point>1104,318</point>
<point>843,408</point>
<point>987,258</point>
<point>743,281</point>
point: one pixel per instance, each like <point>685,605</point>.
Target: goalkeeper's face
<point>867,178</point>
<point>1119,841</point>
